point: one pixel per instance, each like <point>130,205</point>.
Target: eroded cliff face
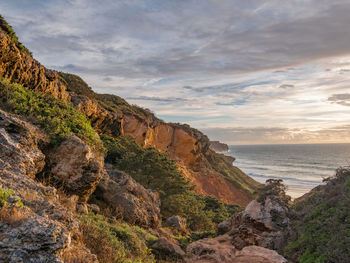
<point>21,68</point>
<point>188,147</point>
<point>192,153</point>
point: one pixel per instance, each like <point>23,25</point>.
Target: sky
<point>243,72</point>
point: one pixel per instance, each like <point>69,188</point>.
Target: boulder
<point>217,249</point>
<point>177,222</point>
<point>166,249</point>
<point>224,227</point>
<point>220,250</point>
<point>127,198</point>
<point>76,167</point>
<point>252,254</point>
<point>94,208</point>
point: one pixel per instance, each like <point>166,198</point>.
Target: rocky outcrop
<point>264,224</point>
<point>220,250</point>
<point>43,230</point>
<point>75,167</point>
<point>253,235</point>
<point>128,199</point>
<point>218,146</point>
<point>21,68</point>
<point>103,120</point>
<point>177,222</point>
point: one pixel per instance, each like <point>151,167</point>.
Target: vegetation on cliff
<point>59,119</point>
<point>322,223</point>
<point>110,102</point>
<point>116,242</point>
<point>156,171</point>
<point>8,29</point>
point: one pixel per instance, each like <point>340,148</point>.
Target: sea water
<point>300,166</point>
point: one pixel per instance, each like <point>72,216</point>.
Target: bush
<point>115,242</point>
<point>273,187</point>
<point>58,118</point>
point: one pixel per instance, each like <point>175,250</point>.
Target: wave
<point>303,181</point>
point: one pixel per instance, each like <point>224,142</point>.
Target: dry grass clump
<point>115,242</point>
<point>99,243</point>
<point>13,215</point>
<point>77,254</point>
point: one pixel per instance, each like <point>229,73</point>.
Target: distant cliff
<point>218,146</point>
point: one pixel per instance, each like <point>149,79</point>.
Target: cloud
<point>213,64</point>
<point>158,99</point>
<point>341,99</point>
<point>163,38</point>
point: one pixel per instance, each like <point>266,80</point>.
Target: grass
<point>116,242</point>
<point>59,119</point>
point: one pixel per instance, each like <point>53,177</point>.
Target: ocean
<point>300,166</point>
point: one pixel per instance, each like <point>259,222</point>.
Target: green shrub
<point>9,31</point>
<point>58,118</point>
<point>273,187</point>
<point>117,242</point>
<point>5,194</point>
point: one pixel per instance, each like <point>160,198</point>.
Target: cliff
<point>210,173</point>
<point>218,146</point>
<point>79,169</point>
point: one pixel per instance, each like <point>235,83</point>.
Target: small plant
<point>5,194</point>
